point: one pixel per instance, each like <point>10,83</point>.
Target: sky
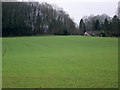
<point>80,8</point>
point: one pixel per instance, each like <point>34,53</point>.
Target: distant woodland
<point>33,18</point>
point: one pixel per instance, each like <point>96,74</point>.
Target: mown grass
<point>0,63</point>
<point>60,62</point>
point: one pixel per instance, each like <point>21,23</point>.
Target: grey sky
<point>80,8</point>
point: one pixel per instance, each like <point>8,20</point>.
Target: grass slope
<point>0,63</point>
<point>60,62</point>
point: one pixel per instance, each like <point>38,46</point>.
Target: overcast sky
<point>80,8</point>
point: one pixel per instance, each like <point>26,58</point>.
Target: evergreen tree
<point>82,27</point>
<point>97,25</point>
<point>106,25</point>
<point>114,26</point>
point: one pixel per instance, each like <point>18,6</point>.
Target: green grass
<point>60,62</point>
<point>0,63</point>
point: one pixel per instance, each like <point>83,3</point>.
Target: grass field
<point>60,62</point>
<point>0,63</point>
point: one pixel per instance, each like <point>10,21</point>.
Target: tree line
<point>33,18</point>
<point>100,24</point>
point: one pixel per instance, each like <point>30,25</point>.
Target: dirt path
<point>4,52</point>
